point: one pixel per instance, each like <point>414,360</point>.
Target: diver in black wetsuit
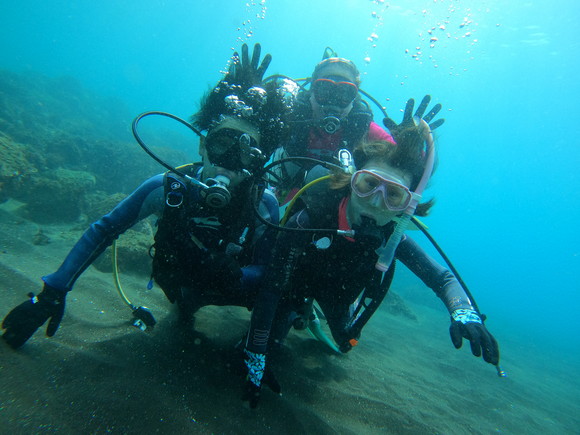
<point>329,115</point>
<point>350,276</point>
<point>210,248</point>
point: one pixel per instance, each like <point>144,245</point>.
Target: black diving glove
<point>466,323</point>
<point>26,318</point>
<point>408,121</point>
<point>258,374</point>
<point>245,71</point>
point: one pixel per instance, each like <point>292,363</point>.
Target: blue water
<point>507,184</point>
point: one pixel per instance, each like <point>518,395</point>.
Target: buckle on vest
<point>174,199</point>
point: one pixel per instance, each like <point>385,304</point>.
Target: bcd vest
<point>353,128</point>
<point>190,235</point>
<point>343,269</point>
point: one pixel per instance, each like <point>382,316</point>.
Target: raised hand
<point>245,71</point>
<point>408,117</point>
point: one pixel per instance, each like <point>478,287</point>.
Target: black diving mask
<point>233,150</point>
<point>329,92</point>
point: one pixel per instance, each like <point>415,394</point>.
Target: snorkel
<point>386,252</point>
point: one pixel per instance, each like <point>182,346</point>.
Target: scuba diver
<point>210,248</point>
<point>328,116</point>
<point>349,272</point>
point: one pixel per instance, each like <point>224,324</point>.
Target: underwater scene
<point>136,353</point>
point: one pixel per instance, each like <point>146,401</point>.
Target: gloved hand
<point>466,323</point>
<point>245,71</point>
<point>26,318</point>
<point>257,375</point>
<point>408,121</point>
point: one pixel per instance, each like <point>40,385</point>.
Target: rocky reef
<point>67,156</point>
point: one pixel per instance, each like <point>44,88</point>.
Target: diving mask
<point>334,93</point>
<point>396,196</point>
<point>233,150</point>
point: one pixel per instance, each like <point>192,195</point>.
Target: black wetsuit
<point>337,275</point>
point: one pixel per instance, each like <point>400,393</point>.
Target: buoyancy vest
<point>353,129</point>
<point>191,234</point>
<point>308,139</point>
<point>342,271</point>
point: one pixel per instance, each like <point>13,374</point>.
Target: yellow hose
<point>116,274</point>
<point>298,194</point>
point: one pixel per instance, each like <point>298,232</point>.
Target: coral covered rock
<point>132,254</point>
<point>13,165</point>
<point>54,196</point>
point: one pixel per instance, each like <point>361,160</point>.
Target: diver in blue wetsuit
<point>210,248</point>
<point>349,272</point>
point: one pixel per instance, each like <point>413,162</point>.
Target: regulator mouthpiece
<point>217,194</point>
<point>330,124</point>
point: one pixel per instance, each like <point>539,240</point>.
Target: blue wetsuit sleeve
<point>264,238</point>
<point>435,276</point>
<point>101,234</point>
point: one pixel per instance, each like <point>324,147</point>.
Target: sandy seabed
<point>99,375</point>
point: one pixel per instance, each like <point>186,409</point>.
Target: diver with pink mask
<point>329,114</point>
<point>348,273</point>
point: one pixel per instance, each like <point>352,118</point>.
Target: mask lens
<point>365,183</point>
<point>323,90</point>
<point>395,195</point>
<point>230,148</point>
<point>346,93</point>
<point>329,92</point>
<point>221,141</point>
<point>222,150</point>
